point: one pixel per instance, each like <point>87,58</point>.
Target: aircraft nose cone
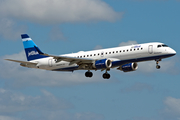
<point>173,52</point>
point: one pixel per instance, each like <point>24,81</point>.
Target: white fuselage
<point>118,55</point>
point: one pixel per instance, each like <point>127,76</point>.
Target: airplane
<point>123,58</point>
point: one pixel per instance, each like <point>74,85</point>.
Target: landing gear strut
<point>88,74</point>
<point>157,62</point>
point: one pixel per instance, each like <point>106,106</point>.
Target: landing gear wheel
<point>106,75</point>
<point>88,74</point>
<point>158,66</point>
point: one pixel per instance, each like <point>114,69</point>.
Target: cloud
<point>58,11</point>
<point>62,115</point>
<point>17,76</point>
<point>98,47</point>
<point>137,87</point>
<point>128,43</point>
<point>172,105</point>
<point>148,0</point>
<point>10,30</point>
<point>3,117</point>
<point>57,34</point>
<point>12,102</point>
<point>140,118</point>
<point>45,106</point>
<point>13,13</point>
<point>172,109</point>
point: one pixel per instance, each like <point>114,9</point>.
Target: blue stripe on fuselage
<point>121,62</point>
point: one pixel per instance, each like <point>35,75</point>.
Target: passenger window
<point>109,52</point>
<point>94,54</point>
<point>141,48</point>
<point>123,50</point>
<point>134,49</point>
<point>127,50</point>
<point>87,55</point>
<point>98,53</point>
<point>130,49</point>
<point>113,51</point>
<point>81,57</point>
<point>116,51</point>
<point>120,51</point>
<point>106,52</point>
<point>91,55</point>
<point>138,49</point>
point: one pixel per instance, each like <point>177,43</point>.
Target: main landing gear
<point>88,74</point>
<point>106,75</point>
<point>157,62</point>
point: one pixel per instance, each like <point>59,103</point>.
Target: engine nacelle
<point>129,67</point>
<point>102,64</point>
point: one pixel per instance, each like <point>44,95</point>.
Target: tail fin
<point>30,48</point>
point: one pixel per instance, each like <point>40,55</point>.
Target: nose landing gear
<point>157,62</point>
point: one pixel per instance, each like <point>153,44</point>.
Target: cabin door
<point>150,49</point>
<point>50,62</point>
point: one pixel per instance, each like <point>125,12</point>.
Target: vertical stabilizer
<point>30,48</point>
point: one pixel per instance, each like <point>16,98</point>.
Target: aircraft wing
<point>23,62</point>
<point>72,60</point>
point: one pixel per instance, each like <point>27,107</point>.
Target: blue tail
<point>30,48</point>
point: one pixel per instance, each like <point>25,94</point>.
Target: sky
<point>67,26</point>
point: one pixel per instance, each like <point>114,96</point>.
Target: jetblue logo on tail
<point>32,53</point>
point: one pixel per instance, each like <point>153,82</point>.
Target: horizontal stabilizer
<point>24,62</point>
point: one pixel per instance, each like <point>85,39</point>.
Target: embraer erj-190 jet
<point>123,58</point>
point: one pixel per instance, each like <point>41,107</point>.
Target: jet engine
<point>102,64</point>
<point>129,67</point>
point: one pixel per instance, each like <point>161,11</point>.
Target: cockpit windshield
<point>159,46</point>
<point>163,45</point>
